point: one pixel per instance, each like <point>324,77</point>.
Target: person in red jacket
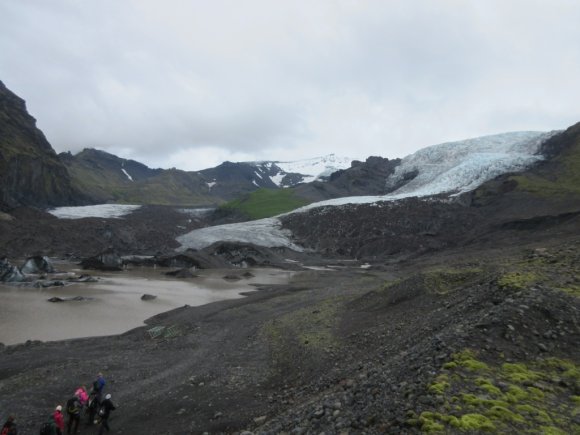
<point>58,420</point>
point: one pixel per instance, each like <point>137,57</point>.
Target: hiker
<point>81,393</point>
<point>104,413</point>
<point>9,427</point>
<point>95,398</point>
<point>92,407</point>
<point>99,384</point>
<point>73,409</point>
<point>58,420</point>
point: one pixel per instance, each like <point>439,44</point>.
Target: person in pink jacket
<point>83,396</point>
<point>58,420</point>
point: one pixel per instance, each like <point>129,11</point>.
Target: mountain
<point>104,177</point>
<point>361,178</point>
<point>30,171</point>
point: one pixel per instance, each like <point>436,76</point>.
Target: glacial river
<point>115,305</point>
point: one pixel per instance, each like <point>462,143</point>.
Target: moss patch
<point>516,397</point>
<point>518,280</point>
<point>308,332</point>
<point>442,281</point>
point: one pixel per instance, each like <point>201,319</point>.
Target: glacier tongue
<point>464,165</point>
<point>452,168</point>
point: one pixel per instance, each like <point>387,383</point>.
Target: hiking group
<point>97,410</point>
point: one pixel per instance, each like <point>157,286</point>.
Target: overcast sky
<point>189,84</point>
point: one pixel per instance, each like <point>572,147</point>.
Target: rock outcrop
<point>30,171</point>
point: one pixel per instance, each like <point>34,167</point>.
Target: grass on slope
<point>564,181</point>
<point>264,203</point>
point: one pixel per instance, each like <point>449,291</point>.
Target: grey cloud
<point>298,79</point>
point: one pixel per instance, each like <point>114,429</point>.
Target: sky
<point>190,84</point>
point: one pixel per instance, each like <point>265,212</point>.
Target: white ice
<point>100,211</point>
<point>263,232</point>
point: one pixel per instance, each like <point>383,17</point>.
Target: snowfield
<point>451,168</point>
<point>100,211</point>
<point>312,169</point>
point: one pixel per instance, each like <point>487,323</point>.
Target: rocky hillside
<point>30,171</point>
<point>362,178</point>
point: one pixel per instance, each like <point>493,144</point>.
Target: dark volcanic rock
<point>148,297</point>
<point>69,299</point>
<point>374,231</point>
<point>30,171</point>
<point>49,283</point>
<point>232,277</point>
<point>362,178</point>
<point>182,273</point>
<point>243,255</point>
<point>83,278</point>
<point>108,260</point>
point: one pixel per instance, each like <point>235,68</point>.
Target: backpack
<point>73,406</point>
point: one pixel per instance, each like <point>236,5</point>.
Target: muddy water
<point>116,304</point>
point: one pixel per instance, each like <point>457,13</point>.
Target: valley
<point>437,293</point>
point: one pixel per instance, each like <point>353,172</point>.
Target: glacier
<point>451,168</point>
<point>100,211</point>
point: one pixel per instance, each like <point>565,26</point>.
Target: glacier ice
<point>99,210</point>
<point>451,167</point>
<point>263,232</point>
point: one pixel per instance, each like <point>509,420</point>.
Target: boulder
<point>83,278</point>
<point>69,299</point>
<point>107,261</point>
<point>48,283</point>
<point>182,273</point>
<point>148,297</point>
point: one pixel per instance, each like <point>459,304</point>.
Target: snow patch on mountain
<point>451,168</point>
<point>311,169</point>
<point>127,174</point>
